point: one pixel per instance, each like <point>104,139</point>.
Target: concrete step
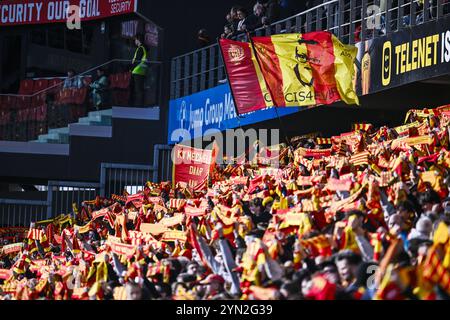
<point>48,136</point>
<point>62,135</point>
<point>101,113</point>
<point>84,120</point>
<point>64,138</point>
<point>59,130</point>
<point>54,141</point>
<point>96,121</point>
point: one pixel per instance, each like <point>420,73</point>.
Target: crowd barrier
<point>115,178</point>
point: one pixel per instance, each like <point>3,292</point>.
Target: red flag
<point>246,81</point>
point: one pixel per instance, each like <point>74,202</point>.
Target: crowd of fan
<point>363,215</point>
<point>241,19</point>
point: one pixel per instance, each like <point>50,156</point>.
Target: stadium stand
<point>309,230</point>
<point>338,210</point>
<point>42,104</point>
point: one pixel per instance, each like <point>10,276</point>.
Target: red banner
<point>315,153</point>
<point>12,248</point>
<point>14,230</point>
<point>19,12</point>
<point>5,274</point>
<point>194,212</point>
<point>127,250</point>
<point>192,166</point>
<point>339,185</point>
<point>244,74</point>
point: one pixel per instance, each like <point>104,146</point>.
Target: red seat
<point>31,115</point>
<point>125,78</point>
<point>23,102</point>
<point>40,85</point>
<point>5,117</point>
<point>80,96</point>
<point>23,115</point>
<point>26,87</point>
<point>63,96</point>
<point>55,84</point>
<point>39,99</point>
<point>114,80</point>
<point>41,113</point>
<point>58,97</point>
<point>9,102</point>
<point>72,95</point>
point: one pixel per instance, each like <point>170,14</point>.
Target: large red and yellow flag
<point>245,77</point>
<point>289,70</point>
<point>307,69</point>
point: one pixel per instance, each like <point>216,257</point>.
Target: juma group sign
<point>194,115</point>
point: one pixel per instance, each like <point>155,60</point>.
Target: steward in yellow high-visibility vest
<point>139,70</point>
<point>141,67</point>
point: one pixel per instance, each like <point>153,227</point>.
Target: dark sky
<point>181,19</point>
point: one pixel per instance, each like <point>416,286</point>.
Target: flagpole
<point>270,92</point>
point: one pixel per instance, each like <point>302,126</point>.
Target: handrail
<point>301,13</point>
<point>24,202</point>
<point>80,74</point>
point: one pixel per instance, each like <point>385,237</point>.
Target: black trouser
<point>138,90</point>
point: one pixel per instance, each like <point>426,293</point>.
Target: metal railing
<point>117,177</point>
<point>23,117</point>
<point>350,20</point>
<point>18,213</point>
<point>162,159</point>
<point>62,194</point>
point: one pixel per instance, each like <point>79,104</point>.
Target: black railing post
<point>388,17</point>
<point>440,8</point>
<point>278,28</point>
<point>413,12</point>
<point>178,78</point>
<point>186,75</point>
<point>308,21</point>
<point>330,17</point>
<point>298,23</point>
<point>172,79</point>
<point>212,65</point>
<point>426,11</point>
<point>352,23</point>
<point>400,14</point>
<point>220,67</point>
<point>363,20</point>
<point>288,26</point>
<point>195,72</point>
<point>318,26</point>
<point>203,71</point>
<point>340,11</point>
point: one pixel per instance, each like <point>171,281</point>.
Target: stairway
<point>75,153</point>
<point>61,135</point>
